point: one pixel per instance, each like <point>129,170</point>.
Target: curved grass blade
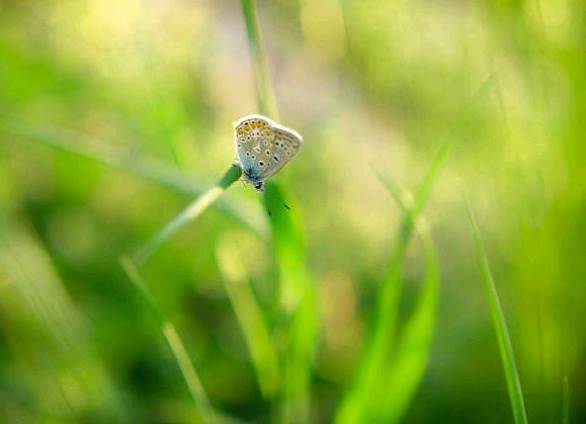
<point>175,344</point>
<point>500,327</point>
<point>409,363</point>
<point>250,317</point>
<point>67,141</point>
<point>368,387</point>
<point>191,212</point>
<point>410,359</point>
<point>403,198</point>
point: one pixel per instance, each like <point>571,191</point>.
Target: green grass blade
<point>297,288</point>
<point>264,91</point>
<point>191,212</point>
<point>250,317</point>
<point>409,363</point>
<point>297,301</point>
<point>66,141</point>
<point>368,388</point>
<point>500,327</point>
<point>175,344</point>
<point>424,189</point>
<point>401,196</point>
<point>410,360</point>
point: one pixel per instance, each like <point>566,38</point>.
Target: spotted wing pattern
<point>286,143</point>
<point>263,147</point>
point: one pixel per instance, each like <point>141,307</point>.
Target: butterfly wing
<point>253,137</point>
<point>285,144</point>
<point>263,147</point>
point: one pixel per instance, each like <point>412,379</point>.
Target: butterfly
<point>263,147</point>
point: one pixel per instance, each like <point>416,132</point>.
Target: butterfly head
<point>253,176</point>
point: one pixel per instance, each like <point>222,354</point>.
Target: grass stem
<point>264,90</point>
<point>175,343</point>
<point>191,212</point>
<point>250,317</point>
<point>500,327</point>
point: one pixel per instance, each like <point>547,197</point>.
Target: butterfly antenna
<point>285,204</point>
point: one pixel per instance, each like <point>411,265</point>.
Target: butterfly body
<point>263,147</point>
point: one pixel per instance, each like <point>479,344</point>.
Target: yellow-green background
<point>375,87</point>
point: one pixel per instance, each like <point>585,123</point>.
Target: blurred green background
<point>115,114</point>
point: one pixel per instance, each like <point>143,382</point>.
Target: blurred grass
<point>408,365</point>
<point>386,381</point>
<point>69,142</point>
<point>369,397</point>
<point>365,81</point>
<point>49,339</point>
<point>250,316</point>
<point>413,347</point>
<point>297,289</point>
<point>373,395</point>
<point>500,327</point>
<point>190,213</point>
<point>297,302</point>
<point>265,97</point>
<point>175,344</point>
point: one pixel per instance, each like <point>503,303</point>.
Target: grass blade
<point>368,389</point>
<point>401,196</point>
<point>500,327</point>
<point>175,344</point>
<point>68,141</point>
<point>191,212</point>
<point>250,317</point>
<point>297,301</point>
<point>298,297</point>
<point>408,366</point>
<point>264,91</point>
<point>410,360</point>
